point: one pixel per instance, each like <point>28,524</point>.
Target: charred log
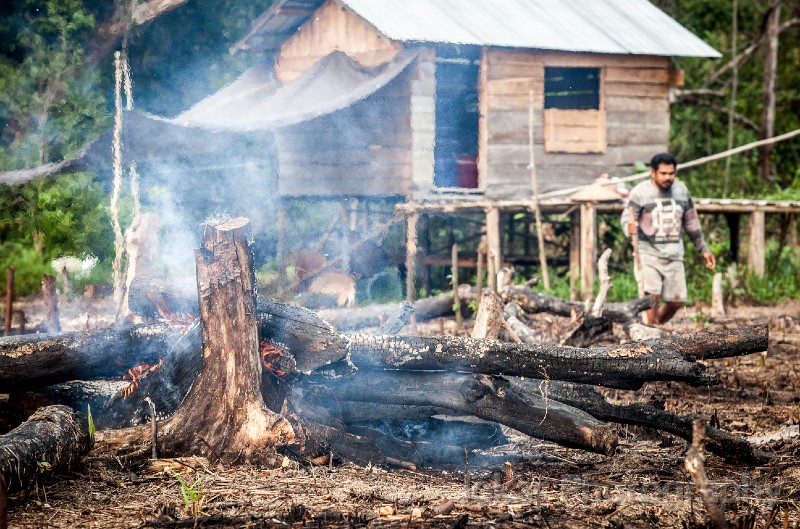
<point>34,361</point>
<point>723,343</point>
<point>532,301</point>
<point>733,448</point>
<point>56,435</point>
<point>355,318</point>
<point>486,397</point>
<point>624,367</point>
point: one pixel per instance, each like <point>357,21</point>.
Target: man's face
<point>663,175</point>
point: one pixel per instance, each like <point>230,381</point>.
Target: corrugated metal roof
<point>599,26</point>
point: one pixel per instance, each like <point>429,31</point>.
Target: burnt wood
<point>733,448</point>
<point>224,411</point>
<point>531,301</point>
<point>624,367</point>
<point>487,397</point>
<point>34,361</point>
<point>56,435</point>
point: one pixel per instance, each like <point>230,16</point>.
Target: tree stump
<point>224,411</point>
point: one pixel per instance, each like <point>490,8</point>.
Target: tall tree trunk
<point>224,411</point>
<point>770,76</point>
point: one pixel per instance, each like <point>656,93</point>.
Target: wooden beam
<point>755,256</point>
<point>588,248</point>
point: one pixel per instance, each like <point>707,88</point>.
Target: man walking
<point>662,210</point>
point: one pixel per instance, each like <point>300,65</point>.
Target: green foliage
<point>48,104</point>
<point>43,466</point>
<point>92,428</point>
<point>47,218</point>
<point>192,494</point>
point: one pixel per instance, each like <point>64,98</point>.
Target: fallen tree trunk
<point>147,295</point>
<point>34,361</point>
<point>355,318</point>
<point>531,301</point>
<point>623,367</point>
<point>486,397</point>
<point>724,343</point>
<point>51,439</point>
<point>731,447</point>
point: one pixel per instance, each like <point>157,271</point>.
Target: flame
<point>135,374</point>
<point>181,321</point>
<point>271,355</point>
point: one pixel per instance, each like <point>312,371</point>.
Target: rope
<point>116,149</point>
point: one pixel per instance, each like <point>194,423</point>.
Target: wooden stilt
<point>482,250</point>
<point>588,249</point>
<point>574,254</point>
<point>411,261</point>
<point>456,300</point>
<point>493,241</point>
<point>755,256</point>
<point>734,223</point>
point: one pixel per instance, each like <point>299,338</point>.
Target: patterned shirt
<point>663,215</point>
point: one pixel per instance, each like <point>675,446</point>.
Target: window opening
<point>572,88</point>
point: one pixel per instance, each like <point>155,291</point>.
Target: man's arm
<point>691,225</point>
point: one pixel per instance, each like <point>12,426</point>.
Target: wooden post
<point>9,300</point>
<point>411,262</point>
<point>456,300</point>
<point>588,239</point>
<point>574,253</point>
<point>717,297</point>
<point>755,256</point>
<point>51,302</point>
<point>535,194</point>
<point>482,246</point>
<point>493,243</point>
<point>733,221</point>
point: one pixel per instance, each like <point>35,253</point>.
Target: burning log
<point>51,439</point>
<point>624,367</point>
<point>34,361</point>
<point>531,301</point>
<point>483,396</point>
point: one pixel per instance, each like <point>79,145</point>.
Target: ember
<point>135,374</point>
<point>180,321</point>
<point>272,358</point>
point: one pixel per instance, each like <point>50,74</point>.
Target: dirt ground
<point>643,485</point>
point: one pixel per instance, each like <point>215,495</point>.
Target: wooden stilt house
<point>466,80</point>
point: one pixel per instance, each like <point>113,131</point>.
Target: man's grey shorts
<point>664,277</point>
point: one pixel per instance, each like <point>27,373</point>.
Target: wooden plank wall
<point>362,150</point>
<point>333,28</point>
<point>636,99</point>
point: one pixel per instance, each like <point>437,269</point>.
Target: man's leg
<point>666,311</point>
<point>652,312</point>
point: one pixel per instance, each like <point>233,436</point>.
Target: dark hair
<point>663,158</point>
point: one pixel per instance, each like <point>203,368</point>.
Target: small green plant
<point>43,466</point>
<point>192,494</point>
<point>92,429</point>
